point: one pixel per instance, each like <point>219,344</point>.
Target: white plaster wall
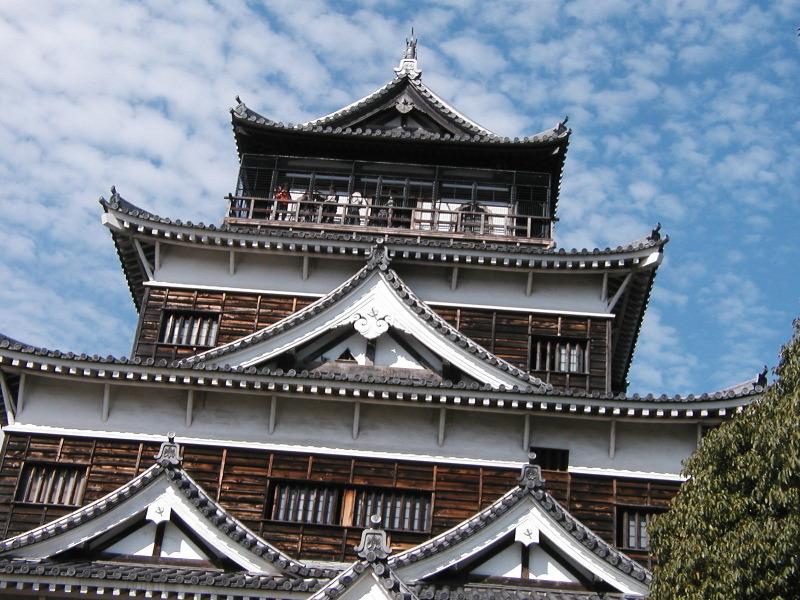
<point>283,273</point>
<point>326,425</point>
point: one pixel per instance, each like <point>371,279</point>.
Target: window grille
<point>633,523</point>
<point>51,483</point>
<point>399,511</point>
<point>318,505</point>
<point>552,459</point>
<point>559,355</point>
<point>349,507</point>
<point>189,329</point>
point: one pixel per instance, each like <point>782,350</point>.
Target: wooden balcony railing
<point>428,217</point>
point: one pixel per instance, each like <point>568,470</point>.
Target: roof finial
<point>411,46</point>
<point>374,545</point>
<point>169,455</point>
<point>408,64</point>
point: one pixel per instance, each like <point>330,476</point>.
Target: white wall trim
<point>218,288</point>
<point>121,435</point>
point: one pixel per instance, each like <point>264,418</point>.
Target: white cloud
<point>683,112</point>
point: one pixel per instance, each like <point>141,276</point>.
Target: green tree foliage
<point>734,529</point>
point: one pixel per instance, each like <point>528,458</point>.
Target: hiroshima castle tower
<point>384,378</point>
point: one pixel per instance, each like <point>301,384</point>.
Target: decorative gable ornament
<point>372,324</point>
<point>404,104</point>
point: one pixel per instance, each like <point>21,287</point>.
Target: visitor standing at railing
<point>353,213</point>
<point>282,198</point>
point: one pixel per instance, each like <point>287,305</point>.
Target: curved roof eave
<point>550,138</point>
<point>19,356</point>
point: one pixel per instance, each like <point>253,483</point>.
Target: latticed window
<point>556,354</point>
<point>189,328</point>
<point>51,483</point>
<point>400,511</point>
<point>316,504</point>
<point>633,528</point>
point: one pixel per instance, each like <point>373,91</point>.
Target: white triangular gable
<point>370,307</point>
<point>152,497</point>
<point>508,563</point>
<point>174,543</point>
<point>526,522</point>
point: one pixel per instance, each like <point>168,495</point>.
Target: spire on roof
<point>408,64</point>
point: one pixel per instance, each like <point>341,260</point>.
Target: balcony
<point>392,198</point>
<point>428,218</point>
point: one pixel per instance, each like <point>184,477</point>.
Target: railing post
<point>529,226</point>
<point>483,223</point>
<point>251,205</point>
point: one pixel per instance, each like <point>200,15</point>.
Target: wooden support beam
<point>529,284</point>
<point>526,434</point>
<point>356,418</point>
<point>699,433</point>
<point>612,439</point>
<point>10,403</point>
<point>454,278</point>
<point>20,394</point>
<point>442,423</point>
<point>273,412</point>
<point>604,289</point>
<point>158,255</point>
<point>305,267</point>
<point>232,262</point>
<point>142,257</point>
<point>106,401</point>
<point>189,408</point>
<point>613,302</point>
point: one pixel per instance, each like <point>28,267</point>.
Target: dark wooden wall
<point>239,478</point>
<point>507,334</point>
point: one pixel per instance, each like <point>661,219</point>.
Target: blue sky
<point>684,112</point>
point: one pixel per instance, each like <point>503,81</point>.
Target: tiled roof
<point>504,592</point>
<point>373,553</point>
<point>531,485</point>
<point>118,574</point>
<point>379,260</point>
<point>398,84</point>
<point>170,467</point>
<point>174,373</point>
<point>555,136</point>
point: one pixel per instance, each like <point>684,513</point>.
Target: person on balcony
<point>353,212</point>
<point>309,205</point>
<point>330,206</point>
<point>282,198</point>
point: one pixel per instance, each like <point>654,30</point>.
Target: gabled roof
<point>167,489</point>
<point>388,110</point>
<point>530,511</point>
<point>371,576</point>
<point>374,297</point>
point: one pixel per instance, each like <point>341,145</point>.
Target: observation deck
<point>417,200</point>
